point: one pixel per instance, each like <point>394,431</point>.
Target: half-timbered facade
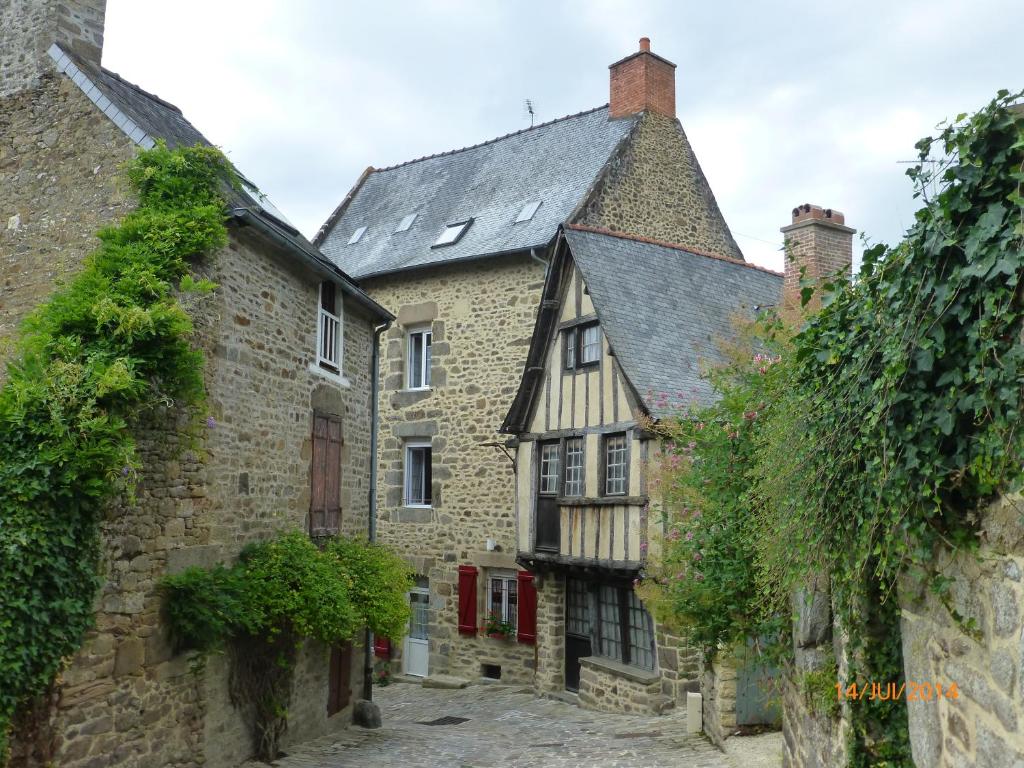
<point>625,324</point>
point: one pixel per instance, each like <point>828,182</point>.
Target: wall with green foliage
<point>873,438</point>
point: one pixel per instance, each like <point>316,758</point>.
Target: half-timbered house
<point>624,327</point>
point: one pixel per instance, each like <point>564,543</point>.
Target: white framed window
<point>406,222</point>
<point>549,468</point>
<point>452,233</point>
<point>590,348</point>
<point>418,342</point>
<point>417,474</point>
<point>357,235</point>
<point>570,349</point>
<point>527,211</point>
<point>573,467</point>
<point>615,465</point>
<point>503,596</point>
<point>328,328</point>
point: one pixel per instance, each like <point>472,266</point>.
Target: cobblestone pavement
<point>505,727</point>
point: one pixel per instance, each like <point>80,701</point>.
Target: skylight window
<point>357,235</point>
<point>528,210</point>
<point>405,223</point>
<point>452,233</point>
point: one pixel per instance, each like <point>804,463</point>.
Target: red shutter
<point>381,647</point>
<point>467,600</point>
<point>527,618</point>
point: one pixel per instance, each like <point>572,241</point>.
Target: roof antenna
<point>528,109</point>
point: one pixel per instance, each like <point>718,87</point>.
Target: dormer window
<point>406,222</point>
<point>357,235</point>
<point>328,329</point>
<point>527,211</point>
<point>582,347</point>
<point>452,233</point>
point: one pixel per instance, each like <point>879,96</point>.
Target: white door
<point>414,656</point>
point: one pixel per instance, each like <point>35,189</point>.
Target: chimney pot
<point>642,82</point>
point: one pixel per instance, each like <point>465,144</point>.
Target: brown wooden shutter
<point>339,681</point>
<point>325,494</point>
<point>467,600</point>
<point>526,624</point>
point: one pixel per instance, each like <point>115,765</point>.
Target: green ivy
<point>891,420</point>
<point>109,346</point>
<point>279,592</point>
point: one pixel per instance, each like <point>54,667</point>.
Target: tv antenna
<point>528,110</point>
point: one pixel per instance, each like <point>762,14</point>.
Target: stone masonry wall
<point>655,188</point>
<point>481,315</point>
<point>984,725</point>
<point>608,686</point>
<point>126,699</point>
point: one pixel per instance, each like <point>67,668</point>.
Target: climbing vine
<point>280,592</point>
<point>109,346</point>
<point>890,420</point>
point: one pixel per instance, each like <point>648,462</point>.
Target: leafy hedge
<point>110,345</point>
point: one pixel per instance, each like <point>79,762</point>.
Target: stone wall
<point>984,725</point>
<point>718,699</point>
<point>609,686</point>
<point>654,187</point>
<point>481,315</point>
<point>126,699</point>
<point>679,663</point>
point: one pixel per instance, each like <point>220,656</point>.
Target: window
<point>452,233</point>
<point>527,211</point>
<point>573,466</point>
<point>582,347</point>
<point>549,468</point>
<point>406,222</point>
<point>590,352</point>
<point>325,477</point>
<point>615,465</point>
<point>417,475</point>
<point>357,235</point>
<point>418,367</point>
<point>503,597</point>
<point>577,613</point>
<point>328,329</point>
<point>625,629</point>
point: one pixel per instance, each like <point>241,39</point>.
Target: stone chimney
<point>29,27</point>
<point>819,241</point>
<point>642,81</point>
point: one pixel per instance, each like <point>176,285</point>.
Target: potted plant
<point>497,627</point>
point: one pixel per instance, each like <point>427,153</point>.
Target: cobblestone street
<point>505,727</point>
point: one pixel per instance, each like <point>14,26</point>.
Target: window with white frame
<point>503,597</point>
<point>328,329</point>
<point>573,467</point>
<point>549,468</point>
<point>418,363</point>
<point>417,474</point>
<point>615,465</point>
<point>590,347</point>
<point>570,349</point>
<point>582,347</point>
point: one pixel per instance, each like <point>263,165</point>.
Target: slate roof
<point>664,309</point>
<point>145,118</point>
<point>556,163</point>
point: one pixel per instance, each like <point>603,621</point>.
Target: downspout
<point>539,260</point>
<point>372,495</point>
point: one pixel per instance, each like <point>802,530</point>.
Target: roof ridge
<point>666,244</point>
<point>491,141</point>
<point>144,92</point>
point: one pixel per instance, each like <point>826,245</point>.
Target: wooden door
<point>339,688</point>
<point>577,630</point>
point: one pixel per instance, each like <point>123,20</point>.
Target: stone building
<point>457,245</point>
<point>610,354</point>
<point>289,341</point>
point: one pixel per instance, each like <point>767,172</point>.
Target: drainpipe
<point>539,260</point>
<point>372,496</point>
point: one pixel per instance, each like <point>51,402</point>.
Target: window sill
<point>335,378</point>
<point>417,506</point>
<point>628,671</point>
<point>417,390</point>
<point>600,501</point>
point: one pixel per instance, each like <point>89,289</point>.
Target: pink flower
<point>689,535</point>
<point>673,535</point>
<point>697,557</point>
<point>698,576</point>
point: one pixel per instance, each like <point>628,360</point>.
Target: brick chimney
<point>29,27</point>
<point>642,81</point>
<point>819,241</point>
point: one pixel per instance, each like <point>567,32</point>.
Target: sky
<point>784,102</point>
